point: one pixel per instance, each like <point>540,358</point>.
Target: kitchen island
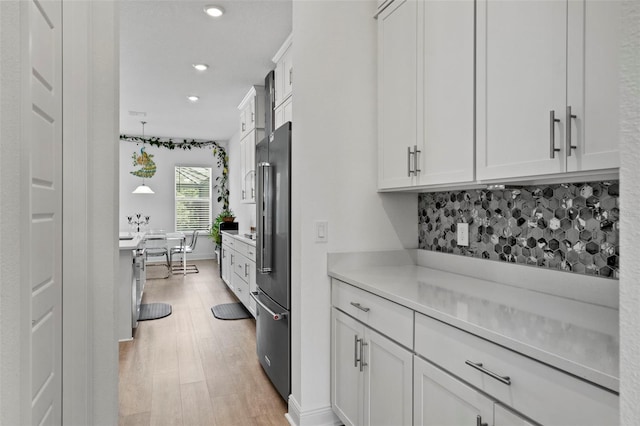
<point>131,278</point>
<point>539,342</point>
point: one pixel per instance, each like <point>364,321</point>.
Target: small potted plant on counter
<point>225,215</point>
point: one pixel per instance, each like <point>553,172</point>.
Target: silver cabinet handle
<point>252,115</point>
<point>290,76</point>
<point>409,153</point>
<point>263,207</point>
<point>359,306</point>
<point>552,134</point>
<point>479,421</point>
<point>243,127</point>
<point>355,350</point>
<point>362,363</point>
<point>231,258</point>
<point>243,194</point>
<point>416,170</point>
<point>246,270</point>
<point>478,366</point>
<point>568,135</point>
<point>274,315</point>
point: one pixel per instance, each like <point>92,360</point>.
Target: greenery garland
<point>218,151</point>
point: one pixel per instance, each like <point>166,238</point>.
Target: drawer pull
<point>359,306</point>
<point>478,366</point>
<point>479,422</point>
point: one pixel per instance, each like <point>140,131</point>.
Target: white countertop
<point>577,336</point>
<point>132,243</point>
<point>240,236</point>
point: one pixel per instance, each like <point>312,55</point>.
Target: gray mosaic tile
<point>570,227</point>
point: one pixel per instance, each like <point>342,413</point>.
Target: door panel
<point>346,378</point>
<point>43,254</point>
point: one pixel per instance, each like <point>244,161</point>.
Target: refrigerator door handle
<point>276,316</point>
<point>264,218</point>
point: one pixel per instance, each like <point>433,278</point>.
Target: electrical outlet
<point>462,234</point>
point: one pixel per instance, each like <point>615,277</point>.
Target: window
<point>193,198</point>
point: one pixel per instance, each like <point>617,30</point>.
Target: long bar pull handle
<point>552,134</point>
<point>478,366</point>
<point>416,170</point>
<point>479,421</point>
<point>355,350</point>
<point>276,316</point>
<point>409,154</point>
<point>362,363</point>
<point>359,306</point>
<point>264,218</point>
<point>568,135</point>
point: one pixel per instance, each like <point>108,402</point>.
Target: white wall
<point>630,227</point>
<point>334,176</point>
<point>161,205</point>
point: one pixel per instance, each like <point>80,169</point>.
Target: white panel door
<point>521,78</point>
<point>442,400</point>
<point>397,93</point>
<point>447,106</point>
<point>42,249</point>
<point>388,382</point>
<point>346,378</point>
<point>595,29</point>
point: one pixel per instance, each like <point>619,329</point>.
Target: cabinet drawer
<point>228,240</point>
<point>389,318</point>
<point>241,267</point>
<point>538,391</point>
<point>241,289</point>
<point>250,252</point>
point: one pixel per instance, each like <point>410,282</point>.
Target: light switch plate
<point>462,234</point>
<point>321,231</point>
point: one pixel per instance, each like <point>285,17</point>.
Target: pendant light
<point>143,189</point>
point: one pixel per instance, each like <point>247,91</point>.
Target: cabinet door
<point>388,381</point>
<point>253,287</point>
<point>346,378</point>
<point>442,400</point>
<point>226,264</point>
<point>447,107</point>
<point>247,167</point>
<point>287,85</point>
<point>521,78</point>
<point>505,417</point>
<point>397,94</point>
<point>593,78</point>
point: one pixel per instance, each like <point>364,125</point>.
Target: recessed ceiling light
<point>215,11</point>
<point>201,67</point>
<point>193,98</point>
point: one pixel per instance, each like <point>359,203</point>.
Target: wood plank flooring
<point>190,368</point>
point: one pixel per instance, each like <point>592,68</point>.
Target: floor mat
<point>230,311</point>
<point>151,311</point>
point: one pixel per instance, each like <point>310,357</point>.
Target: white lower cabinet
<point>442,400</point>
<point>226,264</point>
<point>371,375</point>
<point>239,269</point>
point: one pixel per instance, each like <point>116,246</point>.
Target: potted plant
<point>225,215</point>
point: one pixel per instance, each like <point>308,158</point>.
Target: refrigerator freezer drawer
<point>273,342</point>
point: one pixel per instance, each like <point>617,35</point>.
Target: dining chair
<point>155,243</point>
<point>182,250</point>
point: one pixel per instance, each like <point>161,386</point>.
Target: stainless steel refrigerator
<point>273,257</point>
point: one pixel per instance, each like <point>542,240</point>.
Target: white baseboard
<point>317,417</point>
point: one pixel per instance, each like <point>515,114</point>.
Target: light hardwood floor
<point>190,368</point>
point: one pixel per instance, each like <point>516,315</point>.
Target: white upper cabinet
<point>446,108</point>
<point>251,132</point>
<point>284,72</point>
<point>425,97</point>
<point>593,91</point>
<point>530,71</point>
<point>398,95</point>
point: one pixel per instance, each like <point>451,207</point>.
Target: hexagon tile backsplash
<point>571,227</point>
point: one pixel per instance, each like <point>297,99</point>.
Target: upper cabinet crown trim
<point>249,96</point>
<point>287,43</point>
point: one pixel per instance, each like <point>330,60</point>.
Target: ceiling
<point>159,42</point>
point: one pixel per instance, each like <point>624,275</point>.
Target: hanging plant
<point>218,151</point>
